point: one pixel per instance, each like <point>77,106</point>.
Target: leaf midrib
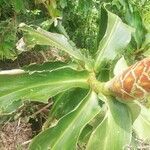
<point>115,26</point>
<point>55,44</point>
<point>73,120</point>
<point>55,83</point>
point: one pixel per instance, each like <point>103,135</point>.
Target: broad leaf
<point>133,16</point>
<point>90,127</point>
<point>43,37</point>
<point>67,101</point>
<point>38,86</point>
<point>66,133</point>
<point>135,110</point>
<point>116,37</point>
<point>49,66</point>
<point>114,133</point>
<point>120,66</point>
<point>64,103</point>
<point>12,107</point>
<point>142,124</point>
<point>85,135</point>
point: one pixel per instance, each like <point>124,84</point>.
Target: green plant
<point>91,115</point>
<point>11,14</point>
<point>8,27</point>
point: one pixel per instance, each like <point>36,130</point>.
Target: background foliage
<point>85,31</point>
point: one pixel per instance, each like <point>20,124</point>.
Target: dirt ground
<point>15,135</point>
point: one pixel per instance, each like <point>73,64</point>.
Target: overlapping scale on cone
<point>133,83</point>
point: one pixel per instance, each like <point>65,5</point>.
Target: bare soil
<point>15,135</point>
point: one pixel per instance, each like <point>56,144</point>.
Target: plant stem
<point>97,86</point>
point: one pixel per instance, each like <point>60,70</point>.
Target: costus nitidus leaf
<point>133,83</point>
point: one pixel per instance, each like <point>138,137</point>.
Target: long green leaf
<point>43,37</point>
<point>49,66</point>
<point>67,101</point>
<point>64,103</point>
<point>38,86</point>
<point>66,133</point>
<point>115,132</point>
<point>142,124</point>
<point>116,37</point>
<point>135,110</point>
<point>134,17</point>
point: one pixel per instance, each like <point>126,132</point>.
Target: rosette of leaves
<point>87,113</point>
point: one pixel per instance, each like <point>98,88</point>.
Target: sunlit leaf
<point>49,66</point>
<point>66,133</point>
<point>115,132</point>
<point>38,86</point>
<point>134,16</point>
<point>116,38</point>
<point>135,110</point>
<point>120,66</point>
<point>142,124</point>
<point>42,37</point>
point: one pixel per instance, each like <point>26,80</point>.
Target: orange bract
<point>133,83</point>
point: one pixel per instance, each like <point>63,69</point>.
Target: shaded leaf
<point>102,25</point>
<point>18,5</point>
<point>7,39</point>
<point>67,101</point>
<point>66,133</point>
<point>11,107</point>
<point>85,134</point>
<point>91,126</point>
<point>64,103</point>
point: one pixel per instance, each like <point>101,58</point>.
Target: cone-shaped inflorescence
<point>133,83</point>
